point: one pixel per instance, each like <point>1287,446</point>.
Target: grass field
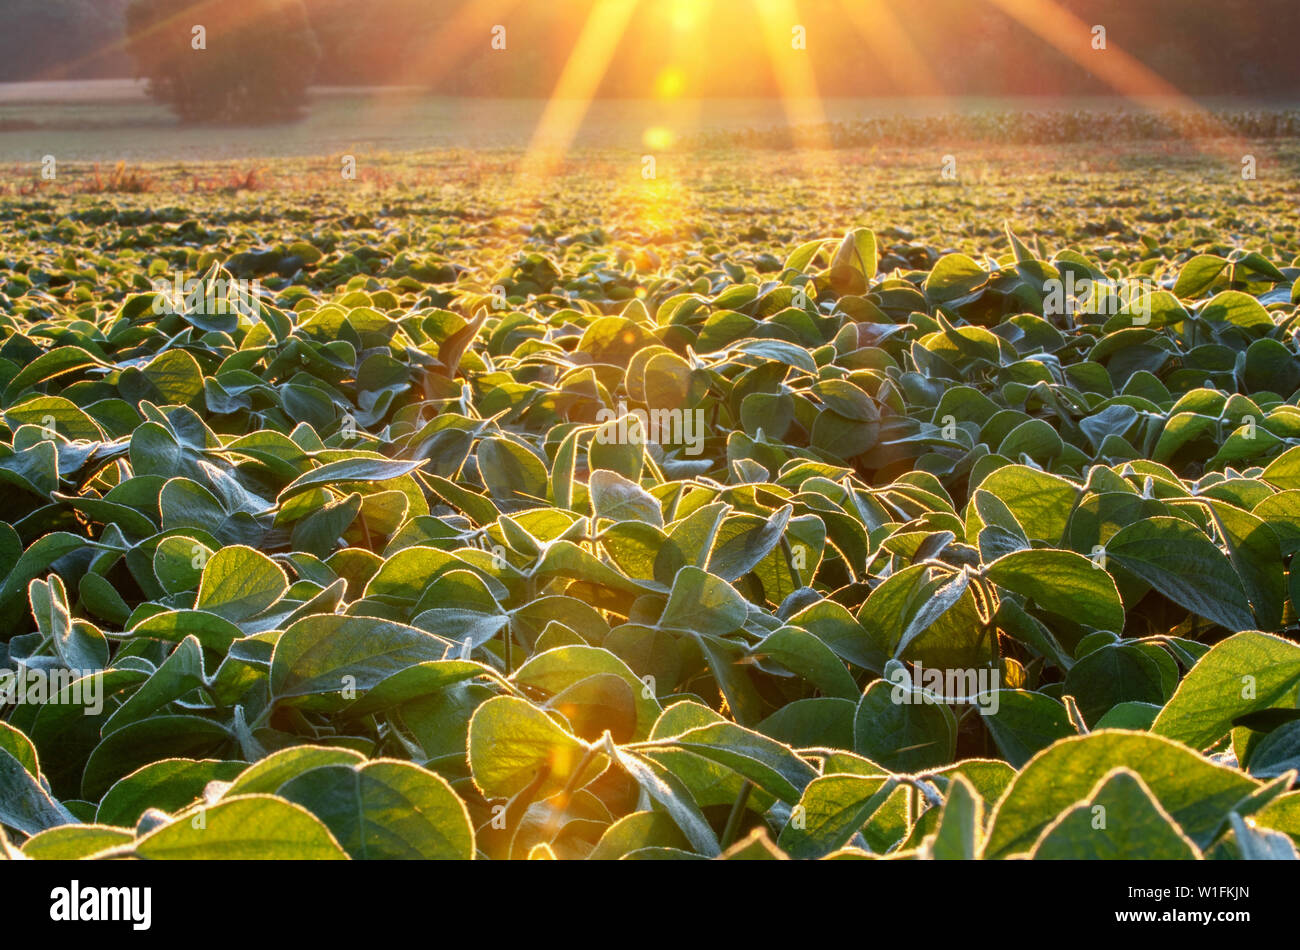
<point>587,514</point>
<point>112,120</point>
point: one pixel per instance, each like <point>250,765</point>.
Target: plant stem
<point>737,812</point>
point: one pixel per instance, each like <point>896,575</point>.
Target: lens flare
<point>671,83</point>
<point>659,138</point>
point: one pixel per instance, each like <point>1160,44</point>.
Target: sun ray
<point>471,24</point>
<point>663,202</point>
<point>795,78</point>
<point>676,84</point>
<point>194,14</point>
<point>1121,71</point>
<point>577,85</point>
<point>893,48</point>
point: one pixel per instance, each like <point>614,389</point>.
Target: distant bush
<point>1020,128</point>
<point>238,61</point>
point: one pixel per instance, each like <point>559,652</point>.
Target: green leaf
<point>266,776</point>
<point>744,540</point>
<point>767,763</point>
<point>946,595</point>
<point>180,673</point>
<point>702,603</point>
<point>178,563</point>
<point>1276,753</point>
<point>239,583</point>
<point>213,632</point>
<point>1198,274</point>
<point>175,377</point>
<point>1256,555</point>
<point>139,743</point>
<point>806,655</point>
<point>24,804</point>
<point>1261,844</point>
<point>320,659</point>
<point>640,829</point>
<point>1023,723</point>
<point>73,842</point>
<point>37,559</point>
<point>49,365</point>
<point>168,784</point>
<point>1242,674</point>
<point>247,828</point>
<point>620,499</point>
<point>461,608</point>
<point>854,263</point>
<point>101,598</point>
<point>1129,715</point>
<point>554,671</point>
<point>407,576</point>
<point>1185,566</point>
<point>953,276</point>
<point>386,809</point>
<point>1064,583</point>
<point>14,741</point>
<point>1111,675</point>
<point>669,793</point>
<point>1195,792</point>
<point>511,472</point>
<point>79,646</point>
<point>903,729</point>
<point>822,722</point>
<point>416,682</point>
<point>832,809</point>
<point>1284,471</point>
<point>803,255</point>
<point>960,836</point>
<point>1237,308</point>
<point>346,472</point>
<point>1039,501</point>
<point>1119,821</point>
<point>511,742</point>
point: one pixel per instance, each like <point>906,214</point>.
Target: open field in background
<point>1097,199</point>
<point>111,120</point>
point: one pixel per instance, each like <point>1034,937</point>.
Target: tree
<point>224,60</point>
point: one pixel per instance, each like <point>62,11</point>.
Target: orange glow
<point>794,72</point>
<point>892,48</point>
<point>578,83</point>
<point>1125,74</point>
<point>470,28</point>
<point>658,138</point>
<point>685,15</point>
<point>1073,37</point>
<point>671,83</point>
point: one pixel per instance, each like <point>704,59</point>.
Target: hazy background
<point>972,47</point>
<point>405,75</point>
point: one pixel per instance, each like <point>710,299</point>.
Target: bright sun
<point>681,40</point>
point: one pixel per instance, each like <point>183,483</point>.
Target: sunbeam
<point>794,74</point>
<point>1121,71</point>
<point>577,85</point>
<point>893,49</point>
